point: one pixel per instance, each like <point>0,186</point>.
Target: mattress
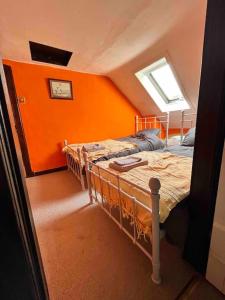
<point>118,148</point>
<point>176,225</point>
<point>179,150</point>
<point>173,171</point>
<point>108,148</point>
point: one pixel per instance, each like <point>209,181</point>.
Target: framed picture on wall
<point>60,89</point>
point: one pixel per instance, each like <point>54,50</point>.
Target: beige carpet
<point>86,256</point>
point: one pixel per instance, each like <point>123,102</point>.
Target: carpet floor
<point>86,256</point>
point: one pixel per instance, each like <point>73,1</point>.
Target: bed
<point>145,196</point>
<point>119,147</point>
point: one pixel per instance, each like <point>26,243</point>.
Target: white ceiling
<point>112,37</point>
<point>102,34</point>
<point>182,46</point>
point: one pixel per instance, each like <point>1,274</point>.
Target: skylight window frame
<point>156,84</point>
<point>163,102</point>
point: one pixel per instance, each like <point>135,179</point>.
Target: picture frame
<point>60,89</point>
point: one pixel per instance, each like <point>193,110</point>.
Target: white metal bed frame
<point>74,164</point>
<point>154,196</point>
<point>93,171</point>
<point>162,122</point>
<point>74,158</point>
<point>189,120</point>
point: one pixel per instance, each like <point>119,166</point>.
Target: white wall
<point>216,263</point>
<point>183,44</point>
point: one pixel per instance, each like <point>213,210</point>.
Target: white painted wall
<point>216,263</point>
<point>182,46</point>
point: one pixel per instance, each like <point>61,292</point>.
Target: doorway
<point>18,120</point>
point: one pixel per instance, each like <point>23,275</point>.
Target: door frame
<point>209,141</point>
<point>18,120</point>
<point>21,211</point>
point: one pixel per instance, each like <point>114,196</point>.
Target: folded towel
<point>127,161</point>
<point>92,147</point>
<point>125,168</point>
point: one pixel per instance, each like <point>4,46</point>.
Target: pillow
<point>173,141</point>
<point>189,138</point>
<point>155,143</point>
<point>148,132</point>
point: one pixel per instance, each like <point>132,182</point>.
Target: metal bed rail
<point>75,164</point>
<point>96,193</point>
<point>186,118</point>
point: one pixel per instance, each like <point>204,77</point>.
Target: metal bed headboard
<point>161,122</point>
<point>187,118</point>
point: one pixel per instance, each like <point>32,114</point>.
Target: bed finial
<point>155,186</point>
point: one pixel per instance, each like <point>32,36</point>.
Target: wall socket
<point>21,99</point>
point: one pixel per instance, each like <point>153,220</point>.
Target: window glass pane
<point>160,83</point>
<point>167,82</point>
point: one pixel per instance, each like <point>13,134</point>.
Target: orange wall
<point>98,111</point>
<point>176,131</point>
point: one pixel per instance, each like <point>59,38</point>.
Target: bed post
<point>88,176</point>
<point>182,126</point>
<point>167,128</point>
<point>67,157</point>
<point>155,185</point>
<point>81,169</point>
<point>136,124</point>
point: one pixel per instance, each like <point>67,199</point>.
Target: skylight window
<point>159,81</point>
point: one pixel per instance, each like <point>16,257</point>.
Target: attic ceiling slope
<point>103,35</point>
<point>183,46</point>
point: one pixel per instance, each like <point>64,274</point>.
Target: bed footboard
<point>99,189</point>
<point>74,164</point>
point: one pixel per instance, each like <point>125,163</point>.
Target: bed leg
<point>80,169</point>
<point>67,157</point>
<point>155,185</point>
<point>88,176</point>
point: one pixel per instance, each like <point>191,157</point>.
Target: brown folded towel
<point>127,161</point>
<point>92,147</point>
<point>126,168</point>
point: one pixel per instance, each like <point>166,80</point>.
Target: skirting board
<point>49,171</point>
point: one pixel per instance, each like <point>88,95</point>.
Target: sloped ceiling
<point>112,37</point>
<point>182,46</point>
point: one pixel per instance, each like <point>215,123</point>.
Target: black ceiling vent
<point>51,55</point>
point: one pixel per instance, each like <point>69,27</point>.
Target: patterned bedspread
<point>173,171</point>
<point>110,147</point>
<point>119,147</point>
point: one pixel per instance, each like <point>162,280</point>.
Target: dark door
<point>210,134</point>
<point>18,120</point>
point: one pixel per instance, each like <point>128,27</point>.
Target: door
<point>209,141</point>
<point>18,121</point>
<point>21,271</point>
<point>216,262</point>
